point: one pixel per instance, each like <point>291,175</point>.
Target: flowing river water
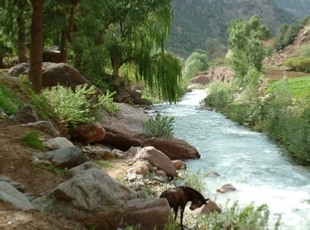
<point>260,171</point>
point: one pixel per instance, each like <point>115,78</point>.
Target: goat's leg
<point>181,219</point>
<point>175,212</point>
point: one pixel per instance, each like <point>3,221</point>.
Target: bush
<point>160,126</point>
<point>301,64</point>
<point>219,96</point>
<point>7,100</point>
<point>81,106</point>
<point>234,217</point>
<point>287,35</point>
<point>32,140</point>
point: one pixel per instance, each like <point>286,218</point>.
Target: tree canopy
<point>245,42</point>
<point>99,37</point>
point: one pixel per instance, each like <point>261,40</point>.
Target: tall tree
<point>132,32</point>
<point>21,23</point>
<point>59,18</point>
<point>36,45</point>
<point>14,31</point>
<point>245,41</point>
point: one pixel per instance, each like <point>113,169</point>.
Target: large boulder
<point>157,159</point>
<point>174,148</point>
<point>124,129</point>
<point>201,79</point>
<point>53,74</point>
<point>89,133</point>
<point>91,197</point>
<point>148,213</point>
<point>65,157</point>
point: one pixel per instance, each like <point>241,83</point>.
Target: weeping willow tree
<point>132,33</point>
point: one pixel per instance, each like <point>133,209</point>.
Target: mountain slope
<point>299,8</point>
<point>197,20</point>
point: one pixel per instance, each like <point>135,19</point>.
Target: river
<point>255,165</point>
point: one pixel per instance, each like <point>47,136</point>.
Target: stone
<point>212,174</point>
<point>25,115</point>
<point>225,188</point>
<point>141,168</point>
<point>89,133</point>
<point>124,129</point>
<point>43,126</point>
<point>91,197</point>
<point>174,148</point>
<point>58,143</point>
<point>160,173</point>
<point>65,157</point>
<point>178,164</point>
<point>210,207</point>
<point>54,74</point>
<point>10,194</point>
<point>201,80</point>
<point>157,159</point>
<point>19,186</point>
<point>83,167</point>
<point>147,213</point>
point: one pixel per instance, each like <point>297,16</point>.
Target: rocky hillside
<point>196,21</point>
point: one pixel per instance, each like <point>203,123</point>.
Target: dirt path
<point>277,74</point>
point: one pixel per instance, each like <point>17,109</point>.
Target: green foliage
<point>304,51</point>
<point>301,64</point>
<point>215,51</point>
<point>195,63</point>
<point>295,87</point>
<point>160,126</point>
<point>54,169</point>
<point>245,41</point>
<point>12,98</point>
<point>32,140</point>
<point>81,106</point>
<point>171,224</point>
<point>194,23</point>
<point>250,217</point>
<point>194,179</point>
<point>8,101</point>
<point>39,101</point>
<point>286,35</point>
<point>219,96</point>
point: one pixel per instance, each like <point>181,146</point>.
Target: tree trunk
<point>36,45</point>
<point>21,31</point>
<point>63,47</point>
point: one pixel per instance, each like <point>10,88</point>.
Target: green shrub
<point>301,64</point>
<point>81,106</point>
<point>286,35</point>
<point>219,96</point>
<point>39,101</point>
<point>250,217</point>
<point>8,102</point>
<point>32,140</point>
<point>194,180</point>
<point>160,126</point>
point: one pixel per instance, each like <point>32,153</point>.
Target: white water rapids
<point>248,160</point>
